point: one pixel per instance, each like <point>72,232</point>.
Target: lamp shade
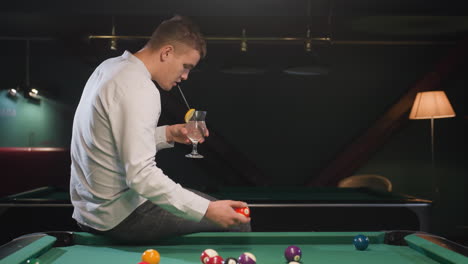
<point>244,63</point>
<point>307,64</point>
<point>431,105</point>
<point>307,70</point>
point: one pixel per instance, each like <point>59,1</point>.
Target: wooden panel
<point>23,169</point>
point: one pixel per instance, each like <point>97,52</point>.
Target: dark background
<point>269,129</point>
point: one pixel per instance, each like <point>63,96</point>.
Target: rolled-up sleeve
<point>161,139</point>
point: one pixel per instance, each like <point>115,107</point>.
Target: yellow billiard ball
<point>150,256</point>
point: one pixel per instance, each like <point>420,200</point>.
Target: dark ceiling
<point>374,77</point>
<point>345,20</point>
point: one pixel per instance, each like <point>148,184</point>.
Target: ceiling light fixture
<point>308,63</point>
<point>29,92</point>
<point>243,63</point>
<point>113,41</point>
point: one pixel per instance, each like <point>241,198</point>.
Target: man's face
<point>178,63</point>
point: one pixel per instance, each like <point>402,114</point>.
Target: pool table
<point>52,204</point>
<point>324,208</point>
<point>268,247</point>
<point>274,209</point>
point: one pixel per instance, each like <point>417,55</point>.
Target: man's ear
<point>166,51</point>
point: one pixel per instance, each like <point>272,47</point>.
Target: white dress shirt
<point>114,141</point>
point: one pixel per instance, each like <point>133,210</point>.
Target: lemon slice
<point>189,115</point>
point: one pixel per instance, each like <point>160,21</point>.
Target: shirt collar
<point>130,57</point>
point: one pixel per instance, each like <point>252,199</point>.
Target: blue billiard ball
<point>361,242</point>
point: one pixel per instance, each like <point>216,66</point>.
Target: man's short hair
<point>178,30</point>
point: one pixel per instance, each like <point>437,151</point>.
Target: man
<point>116,188</point>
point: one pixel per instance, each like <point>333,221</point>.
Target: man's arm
<point>160,136</point>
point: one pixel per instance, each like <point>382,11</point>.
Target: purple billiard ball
<point>293,253</point>
<point>247,258</point>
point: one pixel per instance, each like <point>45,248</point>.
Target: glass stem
<point>194,148</point>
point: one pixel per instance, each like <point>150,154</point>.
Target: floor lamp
<point>432,105</point>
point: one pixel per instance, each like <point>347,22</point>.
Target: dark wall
<point>288,126</point>
<point>406,160</point>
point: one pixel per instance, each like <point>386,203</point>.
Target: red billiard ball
<point>206,254</point>
<point>243,211</point>
<point>215,260</point>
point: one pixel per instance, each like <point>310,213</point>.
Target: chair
<point>372,181</point>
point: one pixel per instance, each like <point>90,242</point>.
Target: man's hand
<point>223,214</point>
<point>178,133</point>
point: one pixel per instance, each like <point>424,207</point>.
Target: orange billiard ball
<point>243,211</point>
<point>151,256</point>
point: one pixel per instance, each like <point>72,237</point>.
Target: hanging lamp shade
<point>307,64</point>
<point>311,69</point>
<point>243,63</point>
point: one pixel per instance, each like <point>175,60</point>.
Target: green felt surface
<point>317,247</point>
